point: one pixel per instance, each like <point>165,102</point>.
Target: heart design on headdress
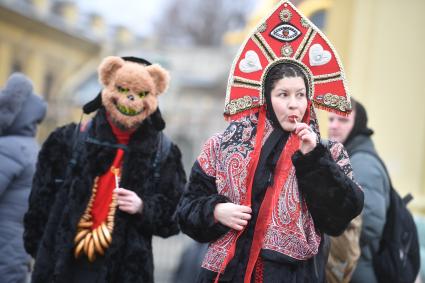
<point>251,62</point>
<point>319,56</point>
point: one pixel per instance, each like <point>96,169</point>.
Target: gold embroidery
<point>240,104</point>
<point>303,43</point>
<point>241,80</point>
<point>334,101</point>
<point>307,45</point>
<point>264,46</point>
<point>237,84</point>
<point>285,15</point>
<point>328,80</point>
<point>262,27</point>
<point>263,50</point>
<point>326,76</point>
<point>287,50</point>
<point>304,23</point>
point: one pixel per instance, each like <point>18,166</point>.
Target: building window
<point>48,84</point>
<point>16,67</point>
<point>319,19</point>
<point>86,90</point>
<point>186,146</point>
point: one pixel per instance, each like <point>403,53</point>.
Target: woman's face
<point>289,101</point>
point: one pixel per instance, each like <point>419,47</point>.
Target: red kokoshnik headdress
<point>286,36</point>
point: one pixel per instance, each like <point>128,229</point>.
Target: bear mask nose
<point>130,97</point>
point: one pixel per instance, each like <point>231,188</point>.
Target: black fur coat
<point>55,207</point>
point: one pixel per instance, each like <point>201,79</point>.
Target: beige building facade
<point>381,43</point>
<point>55,46</point>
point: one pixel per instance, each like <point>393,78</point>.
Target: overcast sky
<point>138,15</point>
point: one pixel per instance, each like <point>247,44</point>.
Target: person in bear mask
<point>93,219</point>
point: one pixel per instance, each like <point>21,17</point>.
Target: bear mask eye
<point>143,93</point>
<point>121,89</point>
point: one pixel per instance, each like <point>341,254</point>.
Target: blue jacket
<point>371,176</point>
<point>21,110</point>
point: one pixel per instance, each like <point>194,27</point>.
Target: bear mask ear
<point>160,76</point>
<point>108,67</point>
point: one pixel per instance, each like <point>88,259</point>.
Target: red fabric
<point>253,166</point>
<point>106,182</point>
<point>240,115</point>
<point>259,271</point>
<point>123,137</point>
<point>256,153</point>
<point>270,201</point>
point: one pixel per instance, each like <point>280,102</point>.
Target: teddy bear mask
<point>130,90</point>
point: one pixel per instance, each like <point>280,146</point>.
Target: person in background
<point>190,263</point>
<point>20,112</point>
<point>353,132</point>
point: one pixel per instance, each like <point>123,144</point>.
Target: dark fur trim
<point>12,97</point>
<point>305,163</point>
<point>160,206</point>
<point>332,197</point>
<point>93,104</point>
<point>50,162</point>
<point>136,60</point>
<point>196,208</point>
<point>157,120</point>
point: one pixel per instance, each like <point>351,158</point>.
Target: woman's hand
<point>128,201</point>
<point>307,136</point>
<point>232,215</point>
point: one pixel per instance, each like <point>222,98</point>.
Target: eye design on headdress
<point>285,33</point>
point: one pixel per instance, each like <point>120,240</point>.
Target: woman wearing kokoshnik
<point>265,191</point>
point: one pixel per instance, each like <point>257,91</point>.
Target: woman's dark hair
<point>276,73</point>
<point>280,71</point>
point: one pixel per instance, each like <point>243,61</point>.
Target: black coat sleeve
<point>159,204</point>
<point>50,171</point>
<point>332,197</point>
<point>196,208</point>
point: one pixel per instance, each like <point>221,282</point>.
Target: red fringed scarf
<point>271,198</point>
